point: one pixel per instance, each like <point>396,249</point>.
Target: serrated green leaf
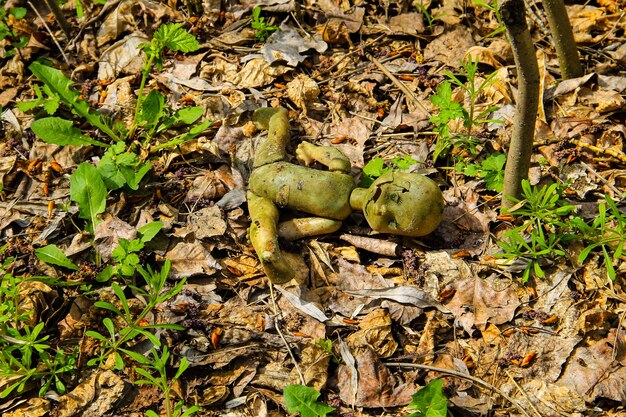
<point>51,254</point>
<point>62,132</point>
<point>494,180</point>
<point>303,399</point>
<point>88,190</point>
<point>176,38</point>
<point>494,162</point>
<point>374,168</point>
<point>430,401</point>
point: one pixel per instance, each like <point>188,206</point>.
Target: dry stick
<point>462,376</point>
<point>50,32</point>
<point>408,93</point>
<point>524,393</point>
<point>520,149</point>
<point>58,15</point>
<point>563,37</point>
<point>280,333</point>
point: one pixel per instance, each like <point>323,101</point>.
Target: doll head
<point>405,204</point>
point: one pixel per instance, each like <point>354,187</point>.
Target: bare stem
<point>520,149</point>
<point>58,15</point>
<point>561,31</point>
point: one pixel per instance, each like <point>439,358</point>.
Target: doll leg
<point>328,156</point>
<point>264,238</point>
<point>272,148</point>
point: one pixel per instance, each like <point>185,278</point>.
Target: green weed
<point>429,401</point>
<point>154,372</point>
<point>126,254</point>
<point>544,231</point>
<point>302,399</point>
<point>132,325</point>
<point>492,7</point>
<point>262,30</point>
<point>14,39</point>
<point>376,167</point>
<point>450,110</point>
<point>491,169</point>
<point>25,353</point>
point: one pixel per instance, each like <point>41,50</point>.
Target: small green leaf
<point>18,12</point>
<point>152,107</point>
<point>59,131</point>
<point>149,231</point>
<point>302,399</point>
<point>51,254</point>
<point>430,401</point>
<point>88,190</point>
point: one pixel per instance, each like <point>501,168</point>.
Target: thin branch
<point>58,15</point>
<point>477,381</point>
<point>408,93</point>
<point>50,32</point>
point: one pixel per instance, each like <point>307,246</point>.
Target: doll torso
<point>321,193</point>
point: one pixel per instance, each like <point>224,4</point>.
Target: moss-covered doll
<point>400,203</point>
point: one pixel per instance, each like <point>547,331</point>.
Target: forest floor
<point>129,284</point>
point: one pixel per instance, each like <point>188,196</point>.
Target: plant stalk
<point>58,15</point>
<point>520,149</point>
<point>561,30</point>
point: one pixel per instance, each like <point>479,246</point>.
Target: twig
<point>50,32</point>
<point>602,179</point>
<point>408,93</point>
<point>381,247</point>
<point>58,15</point>
<point>462,376</point>
<point>523,393</point>
<point>280,333</point>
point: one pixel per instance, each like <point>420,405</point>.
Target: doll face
<point>403,204</point>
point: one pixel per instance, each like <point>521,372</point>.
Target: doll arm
<point>307,226</point>
<point>264,238</point>
<point>328,156</point>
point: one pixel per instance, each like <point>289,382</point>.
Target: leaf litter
<point>359,77</point>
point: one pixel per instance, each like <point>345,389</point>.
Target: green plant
<point>151,113</point>
<point>607,232</point>
<point>545,228</point>
<point>492,7</point>
<point>126,254</point>
<point>430,18</point>
<point>118,168</point>
<point>25,355</point>
<point>491,169</point>
<point>132,325</point>
<point>158,365</point>
<point>302,399</point>
<point>451,110</point>
<point>59,131</point>
<point>149,110</point>
<point>327,346</point>
<point>376,167</point>
<point>14,40</point>
<point>53,255</point>
<point>88,190</point>
<point>429,401</point>
<point>261,28</point>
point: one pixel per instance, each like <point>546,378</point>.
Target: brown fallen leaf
<point>377,385</point>
<point>94,396</point>
<point>375,332</point>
